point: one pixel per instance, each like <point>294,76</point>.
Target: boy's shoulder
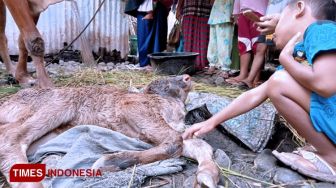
<point>319,37</point>
<point>321,28</point>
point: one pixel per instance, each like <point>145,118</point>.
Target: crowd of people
<point>208,29</point>
<point>303,90</point>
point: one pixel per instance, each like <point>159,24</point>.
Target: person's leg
<point>244,66</point>
<point>212,54</point>
<point>160,29</point>
<point>224,46</point>
<point>257,63</point>
<point>293,103</point>
<point>144,39</point>
<point>245,47</point>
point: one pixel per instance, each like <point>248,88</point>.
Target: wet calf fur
<point>155,117</point>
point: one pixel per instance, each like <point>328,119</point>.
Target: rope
<point>80,34</point>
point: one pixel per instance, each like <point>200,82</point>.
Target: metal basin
<point>176,63</point>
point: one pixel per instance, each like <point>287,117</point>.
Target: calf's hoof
<point>207,175</point>
<point>115,162</point>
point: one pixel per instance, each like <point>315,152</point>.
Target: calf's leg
<point>145,120</point>
<point>207,172</point>
<point>3,41</point>
<point>170,147</point>
<point>17,137</point>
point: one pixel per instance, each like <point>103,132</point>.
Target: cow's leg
<point>33,41</point>
<point>3,41</point>
<point>22,74</point>
<point>207,172</point>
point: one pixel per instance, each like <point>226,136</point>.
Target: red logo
<point>27,173</point>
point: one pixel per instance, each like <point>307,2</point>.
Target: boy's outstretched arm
<point>320,78</point>
<point>244,103</point>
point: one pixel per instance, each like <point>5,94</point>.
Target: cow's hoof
<point>26,81</point>
<point>115,162</point>
<point>207,175</point>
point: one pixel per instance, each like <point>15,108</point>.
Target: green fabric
<point>235,54</point>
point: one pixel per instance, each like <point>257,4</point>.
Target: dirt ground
<point>263,167</point>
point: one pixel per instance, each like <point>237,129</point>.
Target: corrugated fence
<point>58,25</point>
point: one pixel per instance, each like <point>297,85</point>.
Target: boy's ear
<point>300,9</point>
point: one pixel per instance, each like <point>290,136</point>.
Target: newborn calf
<point>155,117</point>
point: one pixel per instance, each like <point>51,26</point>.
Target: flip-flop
<point>318,168</point>
<point>243,86</point>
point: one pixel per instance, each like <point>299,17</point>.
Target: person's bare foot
<point>149,16</point>
<point>211,70</point>
<point>235,80</point>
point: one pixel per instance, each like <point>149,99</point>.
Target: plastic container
<point>175,63</point>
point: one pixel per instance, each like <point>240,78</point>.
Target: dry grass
<point>138,79</point>
<point>122,79</point>
<point>297,139</point>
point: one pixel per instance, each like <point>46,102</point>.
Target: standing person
<point>247,37</point>
<point>274,8</point>
<point>152,26</point>
<point>221,35</point>
<point>195,15</point>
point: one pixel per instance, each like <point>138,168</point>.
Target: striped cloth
<point>200,8</point>
<point>196,35</point>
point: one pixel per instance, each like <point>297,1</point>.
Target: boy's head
<point>299,14</point>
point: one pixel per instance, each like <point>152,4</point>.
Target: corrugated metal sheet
<point>58,25</point>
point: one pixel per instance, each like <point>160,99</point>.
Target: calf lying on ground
<point>155,117</point>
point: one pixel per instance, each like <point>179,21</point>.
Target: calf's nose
<point>186,78</point>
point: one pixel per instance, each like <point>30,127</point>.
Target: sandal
<point>243,86</point>
<point>308,164</point>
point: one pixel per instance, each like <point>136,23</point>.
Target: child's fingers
<point>188,134</point>
<point>202,131</point>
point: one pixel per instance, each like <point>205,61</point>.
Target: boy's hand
<point>287,52</point>
<point>267,24</point>
<point>197,130</point>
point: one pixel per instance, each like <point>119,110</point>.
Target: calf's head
<point>176,86</point>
